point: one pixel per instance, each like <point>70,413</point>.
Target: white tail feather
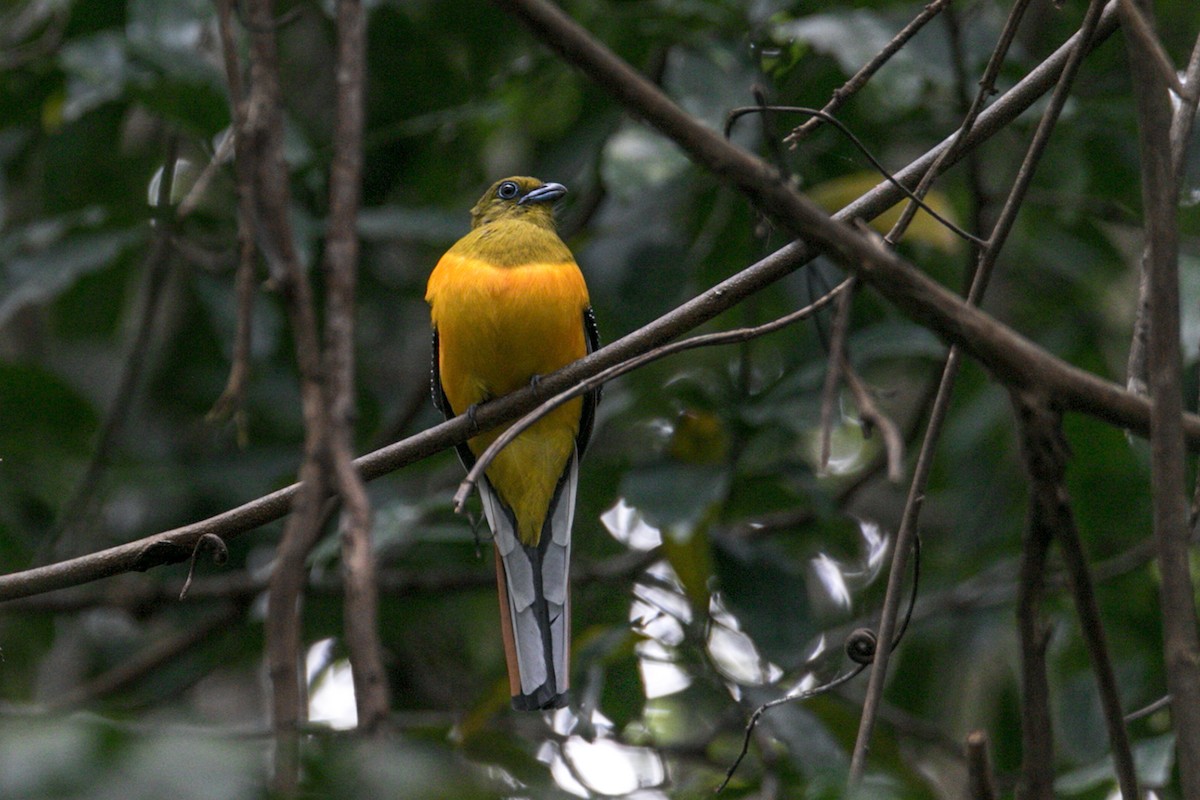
<point>522,593</point>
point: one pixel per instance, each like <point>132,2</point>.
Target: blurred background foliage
<point>720,566</point>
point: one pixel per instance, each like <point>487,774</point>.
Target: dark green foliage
<point>700,445</point>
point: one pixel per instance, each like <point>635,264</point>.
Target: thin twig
<point>230,403</point>
<point>861,646</point>
<point>987,87</point>
<point>1135,24</point>
<point>1145,711</point>
<point>997,346</point>
<point>979,281</point>
<point>155,268</point>
<point>795,697</point>
<point>977,191</point>
<point>914,197</point>
<point>860,78</point>
<point>133,670</point>
<point>220,554</point>
<point>835,364</point>
<point>874,419</point>
<point>196,193</point>
<point>484,460</point>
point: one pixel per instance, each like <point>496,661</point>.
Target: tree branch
<point>980,278</point>
<point>1046,451</point>
<point>1180,641</point>
<point>860,78</point>
<point>979,767</point>
<point>133,670</point>
<point>1037,738</point>
<point>62,538</point>
<point>999,346</point>
<point>341,263</point>
<point>232,396</point>
<point>303,526</point>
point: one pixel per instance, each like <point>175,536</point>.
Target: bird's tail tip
<point>542,699</point>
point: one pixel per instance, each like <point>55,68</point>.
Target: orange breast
<point>497,328</point>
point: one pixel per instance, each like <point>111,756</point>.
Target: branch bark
<point>232,396</point>
<point>341,264</point>
<point>303,526</point>
<point>1037,737</point>
<point>980,277</point>
<point>998,347</point>
<point>980,781</point>
<point>1045,451</point>
<point>1180,641</point>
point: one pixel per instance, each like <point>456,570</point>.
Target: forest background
<point>190,319</point>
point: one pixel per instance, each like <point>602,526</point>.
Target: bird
<point>508,304</point>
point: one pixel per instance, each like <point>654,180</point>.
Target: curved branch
<point>1000,348</point>
<point>599,379</point>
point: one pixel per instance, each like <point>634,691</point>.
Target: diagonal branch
<point>860,78</point>
<point>1000,348</point>
<point>978,286</point>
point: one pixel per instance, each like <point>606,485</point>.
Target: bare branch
<point>1037,739</point>
<point>1045,451</point>
<point>999,346</point>
<point>978,285</point>
<point>834,366</point>
<point>341,264</point>
<point>860,78</point>
<point>979,767</point>
<point>1180,641</point>
<point>303,527</point>
<point>874,419</point>
<point>1136,26</point>
<point>987,87</point>
<point>133,670</point>
<point>232,397</point>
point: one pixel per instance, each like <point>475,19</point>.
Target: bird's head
<point>518,198</point>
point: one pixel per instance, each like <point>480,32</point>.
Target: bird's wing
<point>443,403</point>
<point>534,595</point>
<point>587,416</point>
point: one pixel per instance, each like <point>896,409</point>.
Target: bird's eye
<point>508,190</point>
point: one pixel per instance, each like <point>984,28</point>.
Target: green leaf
<point>37,278</point>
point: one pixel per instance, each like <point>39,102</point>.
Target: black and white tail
<point>535,604</point>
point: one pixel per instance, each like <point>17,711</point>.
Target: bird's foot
<point>475,525</point>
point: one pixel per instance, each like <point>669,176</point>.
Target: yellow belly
<point>497,328</point>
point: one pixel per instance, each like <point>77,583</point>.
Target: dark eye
<point>508,190</point>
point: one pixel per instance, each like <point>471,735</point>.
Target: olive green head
<point>521,198</point>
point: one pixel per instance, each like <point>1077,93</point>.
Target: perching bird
<point>508,305</point>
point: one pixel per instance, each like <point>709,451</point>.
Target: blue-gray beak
<point>547,193</point>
